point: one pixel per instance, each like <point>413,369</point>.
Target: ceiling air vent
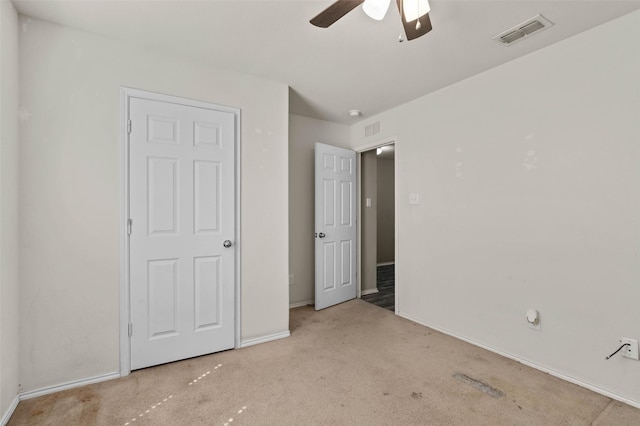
<point>523,30</point>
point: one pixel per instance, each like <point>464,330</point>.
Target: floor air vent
<point>524,30</point>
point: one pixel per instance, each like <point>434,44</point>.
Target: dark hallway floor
<point>386,295</point>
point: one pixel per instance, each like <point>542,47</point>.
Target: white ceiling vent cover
<point>523,30</point>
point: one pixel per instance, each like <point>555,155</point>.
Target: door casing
<point>359,150</point>
<point>126,93</point>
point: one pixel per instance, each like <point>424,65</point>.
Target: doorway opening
<point>377,219</point>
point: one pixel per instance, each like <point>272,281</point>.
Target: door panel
<point>346,249</point>
<point>162,195</point>
<point>182,205</point>
<point>163,297</point>
<point>207,196</point>
<point>335,209</point>
<point>346,202</point>
<point>207,288</point>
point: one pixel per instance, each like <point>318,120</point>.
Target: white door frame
<point>359,150</point>
<point>126,93</point>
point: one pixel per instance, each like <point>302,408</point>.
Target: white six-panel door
<point>182,209</point>
<point>335,219</point>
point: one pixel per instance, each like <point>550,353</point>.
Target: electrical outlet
<point>630,351</point>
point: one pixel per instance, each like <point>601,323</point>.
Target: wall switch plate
<point>630,351</point>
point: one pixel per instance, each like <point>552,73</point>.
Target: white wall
<point>386,230</point>
<point>304,132</point>
<point>70,193</point>
<point>368,175</point>
<point>529,184</point>
<point>8,208</point>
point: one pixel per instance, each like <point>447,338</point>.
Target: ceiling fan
<point>414,13</point>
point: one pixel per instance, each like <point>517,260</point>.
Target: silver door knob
<point>322,235</point>
<point>227,243</point>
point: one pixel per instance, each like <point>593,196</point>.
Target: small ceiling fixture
<point>355,113</point>
<point>379,150</point>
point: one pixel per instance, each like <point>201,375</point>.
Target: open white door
<point>182,231</point>
<point>335,219</point>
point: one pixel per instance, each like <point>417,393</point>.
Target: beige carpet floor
<point>352,364</point>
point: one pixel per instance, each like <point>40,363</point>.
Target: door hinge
<point>129,226</point>
<point>130,329</point>
<point>128,126</point>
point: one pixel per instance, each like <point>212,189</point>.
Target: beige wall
<point>304,132</point>
<point>529,190</point>
<point>8,208</point>
<point>386,211</point>
<point>70,194</point>
<point>369,225</point>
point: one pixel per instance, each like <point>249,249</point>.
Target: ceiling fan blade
<point>334,12</point>
<point>410,29</point>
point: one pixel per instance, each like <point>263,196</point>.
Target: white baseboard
<point>300,304</point>
<point>385,263</point>
<point>370,291</point>
<point>7,416</point>
<point>265,339</point>
<point>69,385</point>
<point>530,364</point>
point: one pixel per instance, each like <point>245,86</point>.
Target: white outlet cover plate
<point>630,351</point>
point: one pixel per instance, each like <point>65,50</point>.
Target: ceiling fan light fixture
<point>415,9</point>
<point>415,24</point>
<point>376,9</point>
